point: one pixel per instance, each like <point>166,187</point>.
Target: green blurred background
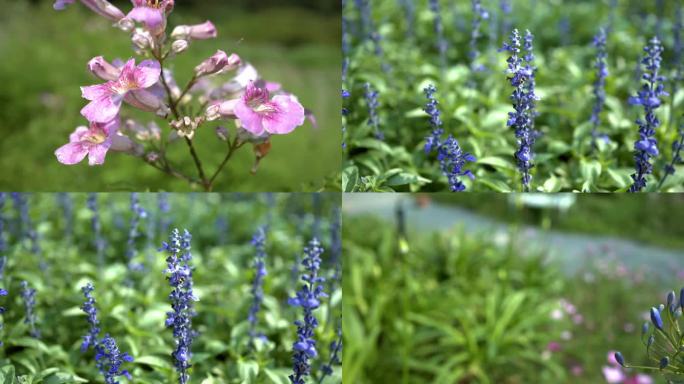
<point>44,55</point>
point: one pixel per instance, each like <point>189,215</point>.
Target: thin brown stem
<point>231,150</point>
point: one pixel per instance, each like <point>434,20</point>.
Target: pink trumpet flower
<point>203,31</point>
<point>94,142</point>
<point>151,13</point>
<point>258,113</point>
<point>105,99</point>
<point>101,7</point>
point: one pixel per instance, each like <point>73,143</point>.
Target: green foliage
<point>452,308</point>
<point>135,315</point>
<point>477,116</point>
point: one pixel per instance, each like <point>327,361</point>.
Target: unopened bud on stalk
<point>101,68</point>
<point>152,157</point>
<point>142,39</point>
<point>203,31</point>
<point>179,46</point>
<point>219,62</point>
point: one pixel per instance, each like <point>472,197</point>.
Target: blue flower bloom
<point>345,112</point>
<point>259,243</point>
<point>410,16</point>
<point>308,298</point>
<point>521,77</point>
<point>28,295</point>
<point>656,319</point>
<point>619,358</point>
<point>373,104</point>
<point>599,85</point>
<point>479,14</point>
<point>179,274</point>
<point>91,310</point>
<point>646,147</point>
<point>99,241</point>
<point>335,354</point>
<point>110,359</point>
<point>138,213</point>
<point>449,154</point>
<point>442,44</point>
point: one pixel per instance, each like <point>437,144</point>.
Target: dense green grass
<point>44,62</point>
<point>133,307</point>
<point>650,219</point>
<point>460,307</point>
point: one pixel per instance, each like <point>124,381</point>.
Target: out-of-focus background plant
<point>45,54</point>
<point>439,292</point>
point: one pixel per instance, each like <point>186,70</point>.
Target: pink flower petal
<point>147,73</point>
<point>151,17</point>
<point>290,115</point>
<point>94,92</point>
<point>97,153</point>
<point>102,110</point>
<point>250,120</point>
<point>77,134</point>
<point>144,100</point>
<point>613,375</point>
<point>71,153</point>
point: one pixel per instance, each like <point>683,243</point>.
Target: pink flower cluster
<point>259,108</point>
<point>614,373</point>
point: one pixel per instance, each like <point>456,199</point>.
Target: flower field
<point>506,95</point>
<point>465,305</point>
<point>163,288</point>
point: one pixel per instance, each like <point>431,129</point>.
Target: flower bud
<point>99,67</point>
<point>203,31</point>
<point>179,46</point>
<point>670,299</point>
<point>147,101</point>
<point>126,24</point>
<point>664,362</point>
<point>142,39</point>
<point>619,358</point>
<point>655,318</point>
<point>122,143</point>
<point>152,157</point>
<point>219,62</point>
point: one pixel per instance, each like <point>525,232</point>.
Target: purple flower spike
<point>106,99</point>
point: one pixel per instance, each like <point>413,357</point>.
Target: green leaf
<point>496,185</point>
<point>621,177</point>
<point>496,162</point>
<point>7,375</point>
<point>154,361</point>
<point>590,171</point>
<point>279,376</point>
<point>248,371</point>
<point>374,144</point>
<point>552,185</point>
<point>350,176</point>
<point>61,378</point>
<point>404,178</point>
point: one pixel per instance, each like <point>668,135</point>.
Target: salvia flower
<point>101,7</point>
<point>345,112</point>
<point>506,9</point>
<point>259,243</point>
<point>599,84</point>
<point>479,14</point>
<point>442,44</point>
<point>179,274</point>
<point>3,292</point>
<point>110,359</point>
<point>373,104</point>
<point>646,147</point>
<point>677,147</point>
<point>28,295</point>
<point>106,99</point>
<point>90,339</point>
<point>521,77</point>
<point>431,108</point>
<point>449,154</point>
<point>137,213</point>
<point>308,298</point>
<point>260,114</point>
<point>335,354</point>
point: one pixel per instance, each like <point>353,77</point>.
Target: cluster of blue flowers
<point>663,341</point>
<point>259,243</point>
<point>442,44</point>
<point>179,274</point>
<point>335,354</point>
<point>345,112</point>
<point>449,154</point>
<point>599,84</point>
<point>28,295</point>
<point>90,339</point>
<point>479,14</point>
<point>373,104</point>
<point>308,298</point>
<point>110,359</point>
<point>521,76</point>
<point>3,292</point>
<point>98,239</point>
<point>646,147</point>
<point>506,11</point>
<point>138,213</point>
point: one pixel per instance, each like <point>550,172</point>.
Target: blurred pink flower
<point>105,99</point>
<point>258,113</point>
<point>151,13</point>
<point>553,346</point>
<point>613,375</point>
<point>577,370</point>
